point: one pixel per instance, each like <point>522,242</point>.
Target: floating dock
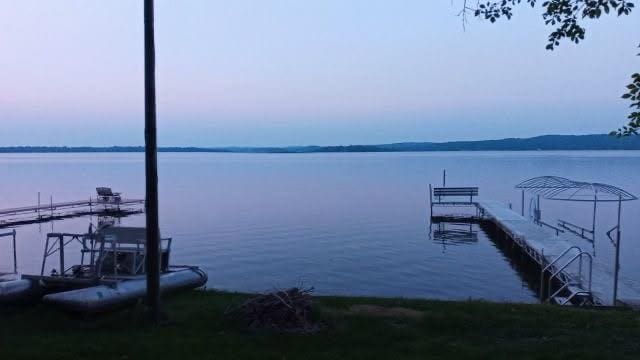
<point>61,210</point>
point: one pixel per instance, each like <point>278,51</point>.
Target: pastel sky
<point>276,72</point>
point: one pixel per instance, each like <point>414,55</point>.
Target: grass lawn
<point>357,328</point>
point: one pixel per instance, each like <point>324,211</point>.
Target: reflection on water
<point>345,223</point>
<point>447,233</point>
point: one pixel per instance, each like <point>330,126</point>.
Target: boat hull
<point>15,290</point>
<point>103,298</point>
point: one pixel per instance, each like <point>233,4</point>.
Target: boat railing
<point>12,234</point>
<point>100,256</point>
<point>56,243</point>
<point>133,248</point>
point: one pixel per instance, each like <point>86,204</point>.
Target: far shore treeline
<point>545,142</point>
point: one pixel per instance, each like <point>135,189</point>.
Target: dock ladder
<point>572,290</point>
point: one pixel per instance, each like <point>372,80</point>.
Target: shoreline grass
<point>356,328</point>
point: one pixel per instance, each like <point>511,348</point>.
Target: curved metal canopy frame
<point>559,188</point>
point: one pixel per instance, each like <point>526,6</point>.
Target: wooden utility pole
<point>151,166</point>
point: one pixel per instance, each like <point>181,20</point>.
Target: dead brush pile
<point>281,310</point>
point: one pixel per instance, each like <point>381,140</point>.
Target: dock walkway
<point>52,211</point>
<point>544,246</point>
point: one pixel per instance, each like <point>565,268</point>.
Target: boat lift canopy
<point>559,188</point>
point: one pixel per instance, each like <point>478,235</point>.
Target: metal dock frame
<point>12,234</point>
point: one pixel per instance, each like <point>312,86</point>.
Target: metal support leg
<point>617,260</point>
<point>430,202</point>
<point>115,256</point>
<point>84,247</point>
<point>44,256</point>
<point>61,250</point>
<point>522,206</point>
<point>539,210</point>
<point>593,221</point>
<point>15,254</point>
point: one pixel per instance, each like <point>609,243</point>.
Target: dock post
<point>51,205</point>
<point>542,265</point>
<point>61,245</point>
<point>617,260</point>
<point>593,223</point>
<point>444,178</point>
<point>538,216</point>
<point>44,256</point>
<point>15,254</point>
<point>430,203</point>
<point>522,205</point>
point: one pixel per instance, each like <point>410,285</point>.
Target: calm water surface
<point>352,224</point>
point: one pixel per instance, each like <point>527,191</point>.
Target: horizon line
<point>541,142</point>
<point>214,147</point>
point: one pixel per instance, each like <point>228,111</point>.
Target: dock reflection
<point>453,233</point>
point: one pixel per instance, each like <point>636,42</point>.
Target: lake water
<point>353,224</point>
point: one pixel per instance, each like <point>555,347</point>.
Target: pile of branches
<point>281,310</point>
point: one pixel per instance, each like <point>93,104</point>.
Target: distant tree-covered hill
<point>546,142</point>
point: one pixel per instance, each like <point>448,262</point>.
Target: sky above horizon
<point>273,73</point>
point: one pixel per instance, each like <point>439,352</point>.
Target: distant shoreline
<point>544,143</point>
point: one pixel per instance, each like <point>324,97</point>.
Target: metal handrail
<point>572,229</point>
<point>558,292</point>
<point>576,294</point>
<point>549,266</point>
<point>578,256</point>
<point>564,222</point>
<point>558,230</point>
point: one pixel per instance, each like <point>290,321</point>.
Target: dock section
<point>553,250</point>
<point>54,211</point>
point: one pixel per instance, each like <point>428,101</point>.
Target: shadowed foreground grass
<point>435,330</point>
